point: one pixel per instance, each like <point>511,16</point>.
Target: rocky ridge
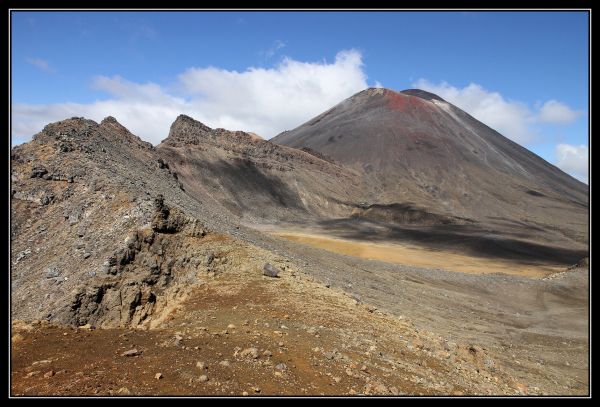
<point>255,179</point>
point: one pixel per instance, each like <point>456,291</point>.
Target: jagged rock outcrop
<point>99,227</point>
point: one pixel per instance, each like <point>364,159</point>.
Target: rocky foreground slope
<point>241,333</point>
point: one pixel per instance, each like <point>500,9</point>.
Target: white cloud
<point>263,101</point>
<point>573,160</point>
<point>555,112</point>
<point>122,89</point>
<point>41,64</point>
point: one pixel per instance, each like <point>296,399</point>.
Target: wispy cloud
<point>41,64</point>
<point>136,32</point>
<point>277,45</point>
<point>264,101</point>
<point>145,31</point>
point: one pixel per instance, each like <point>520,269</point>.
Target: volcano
<point>419,154</point>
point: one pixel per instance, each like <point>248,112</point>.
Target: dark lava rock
<point>162,164</point>
<point>164,221</point>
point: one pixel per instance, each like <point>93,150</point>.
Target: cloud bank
<point>267,101</point>
<point>264,101</point>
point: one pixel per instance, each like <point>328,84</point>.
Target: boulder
<point>270,271</point>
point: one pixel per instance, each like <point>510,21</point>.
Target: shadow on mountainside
<point>469,239</point>
<point>250,186</point>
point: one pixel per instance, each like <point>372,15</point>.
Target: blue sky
<point>523,73</point>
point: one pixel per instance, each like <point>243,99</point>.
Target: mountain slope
<point>416,150</point>
<point>255,179</point>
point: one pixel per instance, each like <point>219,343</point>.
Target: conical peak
<point>373,92</point>
<point>373,99</point>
